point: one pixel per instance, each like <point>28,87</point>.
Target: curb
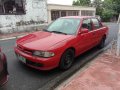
<point>15,37</point>
<point>67,74</point>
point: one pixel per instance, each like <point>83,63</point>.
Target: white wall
<point>68,8</point>
<point>36,10</point>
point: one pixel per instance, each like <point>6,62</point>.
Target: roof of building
<point>69,7</point>
<point>78,17</point>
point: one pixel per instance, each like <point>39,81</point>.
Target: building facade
<point>56,11</point>
<point>20,15</point>
<point>15,13</point>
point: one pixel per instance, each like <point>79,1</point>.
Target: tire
<point>67,59</point>
<point>102,43</point>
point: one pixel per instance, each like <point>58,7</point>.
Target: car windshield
<point>64,26</point>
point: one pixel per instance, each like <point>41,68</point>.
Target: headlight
<point>43,54</point>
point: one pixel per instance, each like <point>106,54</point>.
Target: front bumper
<point>39,63</point>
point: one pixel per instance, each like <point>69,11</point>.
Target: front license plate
<point>22,59</point>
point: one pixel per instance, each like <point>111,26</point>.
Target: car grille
<point>24,50</point>
<point>34,63</point>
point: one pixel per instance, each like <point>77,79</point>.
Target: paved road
<point>25,78</point>
<point>113,32</point>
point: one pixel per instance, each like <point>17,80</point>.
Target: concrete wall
<point>36,12</point>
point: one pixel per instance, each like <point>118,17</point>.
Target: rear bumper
<point>39,63</point>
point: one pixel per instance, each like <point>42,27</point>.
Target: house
<point>55,11</point>
<point>15,15</point>
<point>26,15</point>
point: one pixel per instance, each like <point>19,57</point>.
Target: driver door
<point>85,40</point>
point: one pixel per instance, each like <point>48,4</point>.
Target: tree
<point>98,4</point>
<point>113,5</point>
<point>107,14</point>
<point>106,9</point>
<point>116,6</point>
<point>82,2</point>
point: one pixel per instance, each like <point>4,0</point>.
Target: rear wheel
<point>67,59</point>
<point>102,43</point>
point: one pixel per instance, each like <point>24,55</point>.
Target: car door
<point>85,39</point>
<point>97,29</point>
<point>1,66</point>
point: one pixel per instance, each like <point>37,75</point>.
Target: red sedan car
<point>61,42</point>
<point>3,69</point>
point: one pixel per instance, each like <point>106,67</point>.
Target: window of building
<point>87,13</point>
<point>12,7</point>
<point>55,15</point>
<point>63,13</point>
<point>73,13</point>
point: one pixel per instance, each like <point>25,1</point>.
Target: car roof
<point>80,17</point>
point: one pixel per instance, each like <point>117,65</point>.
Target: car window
<point>58,25</point>
<point>87,24</point>
<point>65,25</point>
<point>96,23</point>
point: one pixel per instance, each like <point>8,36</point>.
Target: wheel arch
<point>72,48</point>
<point>104,36</point>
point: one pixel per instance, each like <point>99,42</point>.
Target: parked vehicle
<point>61,42</point>
<point>3,69</point>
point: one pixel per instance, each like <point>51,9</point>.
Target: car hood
<point>41,40</point>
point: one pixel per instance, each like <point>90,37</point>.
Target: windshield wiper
<point>59,32</point>
<point>46,30</point>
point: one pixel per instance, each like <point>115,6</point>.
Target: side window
<point>96,23</point>
<point>87,24</point>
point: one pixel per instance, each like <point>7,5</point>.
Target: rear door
<point>98,30</point>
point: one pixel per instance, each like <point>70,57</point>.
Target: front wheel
<point>67,59</point>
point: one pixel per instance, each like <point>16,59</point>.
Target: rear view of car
<point>3,69</point>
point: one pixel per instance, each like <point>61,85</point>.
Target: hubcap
<point>68,60</point>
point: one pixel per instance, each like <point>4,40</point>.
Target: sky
<point>63,2</point>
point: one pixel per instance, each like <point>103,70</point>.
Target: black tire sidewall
<point>61,65</point>
<point>102,43</point>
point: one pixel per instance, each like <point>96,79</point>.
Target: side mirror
<point>84,30</point>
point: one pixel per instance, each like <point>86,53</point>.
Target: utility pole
<point>118,41</point>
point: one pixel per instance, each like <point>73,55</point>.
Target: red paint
<point>3,69</point>
<point>58,43</point>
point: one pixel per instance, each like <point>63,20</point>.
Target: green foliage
<point>81,2</point>
<point>110,9</point>
<point>107,14</point>
<point>108,4</point>
<point>116,5</point>
<point>106,9</point>
<point>98,4</point>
